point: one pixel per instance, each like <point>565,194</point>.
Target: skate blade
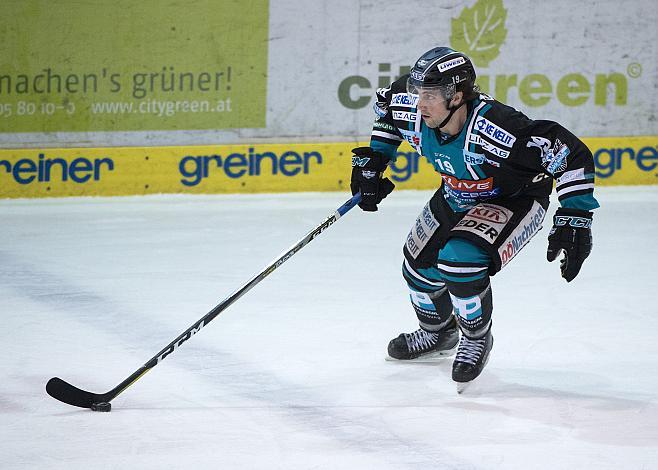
<point>436,356</point>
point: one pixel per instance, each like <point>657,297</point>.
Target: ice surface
<point>293,376</point>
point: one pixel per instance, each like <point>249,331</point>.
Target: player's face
<point>432,106</point>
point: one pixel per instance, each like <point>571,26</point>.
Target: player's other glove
<point>571,232</point>
<point>367,168</point>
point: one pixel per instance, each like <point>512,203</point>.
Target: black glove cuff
<point>369,159</point>
<point>575,218</point>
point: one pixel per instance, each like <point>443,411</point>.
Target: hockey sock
<point>464,267</point>
<point>433,309</point>
<point>473,304</point>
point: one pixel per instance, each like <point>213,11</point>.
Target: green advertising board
<point>131,66</point>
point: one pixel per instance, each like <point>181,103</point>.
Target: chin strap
<point>452,111</point>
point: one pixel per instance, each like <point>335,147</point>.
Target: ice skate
<point>422,345</point>
<point>472,356</point>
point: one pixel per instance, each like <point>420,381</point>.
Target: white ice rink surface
<point>293,376</point>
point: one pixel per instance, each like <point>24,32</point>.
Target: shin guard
<point>473,304</point>
<point>433,309</point>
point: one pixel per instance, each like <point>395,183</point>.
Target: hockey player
<point>497,168</point>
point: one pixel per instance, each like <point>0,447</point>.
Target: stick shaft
<point>67,393</point>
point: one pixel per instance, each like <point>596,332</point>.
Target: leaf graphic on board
<point>479,31</point>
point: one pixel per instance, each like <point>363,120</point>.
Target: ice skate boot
<point>424,345</point>
<point>472,356</point>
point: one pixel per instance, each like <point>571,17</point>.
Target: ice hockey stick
<point>67,393</point>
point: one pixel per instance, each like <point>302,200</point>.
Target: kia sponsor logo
<point>491,213</point>
<point>485,220</point>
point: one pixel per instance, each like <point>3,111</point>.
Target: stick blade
<point>67,393</point>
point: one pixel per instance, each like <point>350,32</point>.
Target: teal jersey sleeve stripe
<point>585,202</point>
<point>391,151</point>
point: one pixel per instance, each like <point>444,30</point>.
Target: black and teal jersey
<point>499,153</point>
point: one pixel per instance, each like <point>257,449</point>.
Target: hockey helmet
<point>442,69</point>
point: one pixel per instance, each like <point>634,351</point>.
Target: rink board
<point>256,168</point>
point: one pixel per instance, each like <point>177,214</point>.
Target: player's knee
<point>464,266</point>
<point>422,280</point>
<point>468,286</point>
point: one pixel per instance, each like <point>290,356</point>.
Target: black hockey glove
<point>572,233</point>
<point>367,168</point>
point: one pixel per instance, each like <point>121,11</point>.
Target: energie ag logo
<point>480,32</point>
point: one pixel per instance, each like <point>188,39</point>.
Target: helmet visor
<point>434,93</point>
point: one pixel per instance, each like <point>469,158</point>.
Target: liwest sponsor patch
<point>522,234</point>
<point>486,221</point>
<point>488,128</point>
<point>443,66</point>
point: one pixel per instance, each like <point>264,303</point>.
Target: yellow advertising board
<point>255,168</point>
<point>133,66</point>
